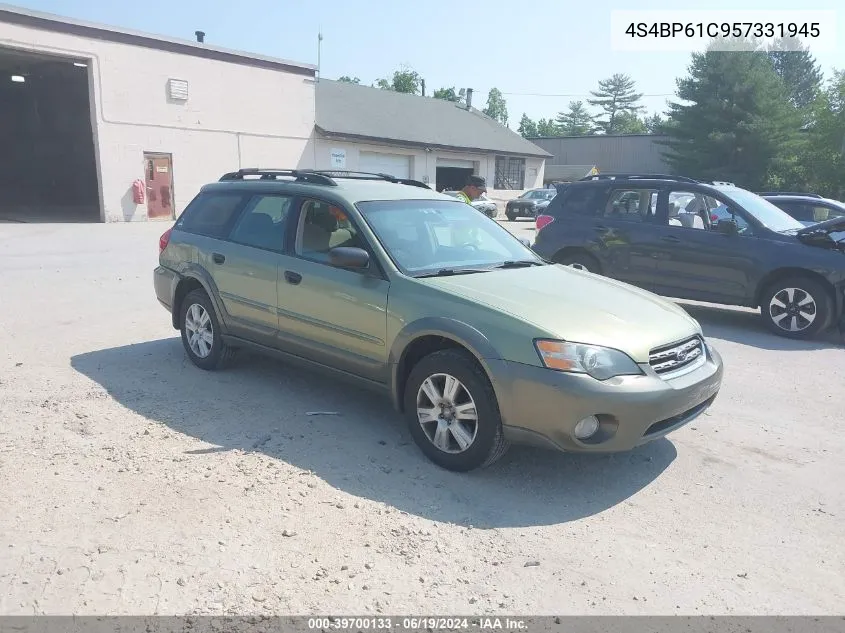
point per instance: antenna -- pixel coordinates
(319, 49)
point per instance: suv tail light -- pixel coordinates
(163, 241)
(543, 221)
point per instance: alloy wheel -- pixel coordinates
(199, 330)
(793, 309)
(447, 413)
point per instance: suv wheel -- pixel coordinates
(201, 332)
(796, 307)
(452, 412)
(579, 261)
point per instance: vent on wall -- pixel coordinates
(177, 89)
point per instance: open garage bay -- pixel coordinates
(132, 482)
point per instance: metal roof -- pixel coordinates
(60, 24)
(355, 112)
(567, 173)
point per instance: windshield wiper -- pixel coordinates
(521, 263)
(447, 272)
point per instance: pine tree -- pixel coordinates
(798, 69)
(738, 124)
(615, 96)
(527, 127)
(547, 127)
(496, 107)
(576, 121)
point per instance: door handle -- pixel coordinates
(217, 258)
(670, 238)
(292, 277)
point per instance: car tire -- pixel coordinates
(201, 336)
(809, 301)
(579, 261)
(481, 428)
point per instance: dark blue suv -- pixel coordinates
(710, 242)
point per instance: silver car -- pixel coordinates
(483, 204)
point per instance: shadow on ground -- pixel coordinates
(742, 326)
(261, 405)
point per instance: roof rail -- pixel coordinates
(367, 175)
(788, 193)
(300, 175)
(613, 176)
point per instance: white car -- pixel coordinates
(483, 203)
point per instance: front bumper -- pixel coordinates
(541, 407)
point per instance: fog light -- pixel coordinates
(586, 428)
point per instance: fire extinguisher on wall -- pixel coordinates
(138, 189)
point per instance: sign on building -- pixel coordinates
(338, 158)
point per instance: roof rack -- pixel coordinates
(300, 175)
(613, 176)
(788, 193)
(366, 175)
(315, 176)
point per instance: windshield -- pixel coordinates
(539, 194)
(763, 211)
(424, 236)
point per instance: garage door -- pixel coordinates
(396, 165)
(454, 162)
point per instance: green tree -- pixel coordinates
(615, 96)
(496, 107)
(547, 127)
(404, 80)
(824, 154)
(629, 123)
(654, 124)
(450, 94)
(736, 124)
(576, 121)
(798, 69)
(349, 80)
(527, 127)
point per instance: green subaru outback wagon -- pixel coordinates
(478, 341)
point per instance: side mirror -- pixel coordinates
(349, 257)
(727, 227)
(525, 241)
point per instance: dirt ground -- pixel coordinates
(133, 483)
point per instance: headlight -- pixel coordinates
(599, 362)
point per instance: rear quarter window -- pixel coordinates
(212, 214)
(583, 201)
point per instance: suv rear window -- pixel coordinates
(212, 214)
(578, 201)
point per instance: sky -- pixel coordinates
(541, 54)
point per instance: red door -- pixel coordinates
(159, 177)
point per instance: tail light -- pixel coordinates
(543, 221)
(714, 217)
(163, 241)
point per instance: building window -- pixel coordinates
(510, 173)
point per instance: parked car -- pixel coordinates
(483, 204)
(470, 333)
(692, 240)
(807, 208)
(530, 204)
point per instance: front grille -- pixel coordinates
(671, 360)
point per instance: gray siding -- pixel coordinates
(629, 153)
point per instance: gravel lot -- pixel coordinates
(133, 483)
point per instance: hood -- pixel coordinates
(577, 306)
(834, 225)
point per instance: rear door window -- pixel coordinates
(584, 201)
(631, 204)
(212, 214)
(264, 222)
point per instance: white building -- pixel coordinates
(99, 108)
(93, 116)
(436, 141)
